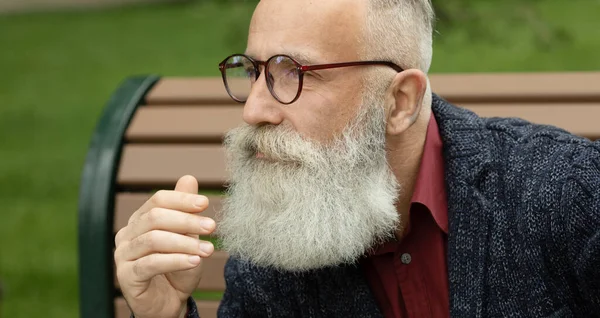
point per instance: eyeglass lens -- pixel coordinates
(239, 76)
(283, 77)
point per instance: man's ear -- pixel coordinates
(406, 98)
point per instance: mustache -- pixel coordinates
(276, 142)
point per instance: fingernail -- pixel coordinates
(194, 259)
(201, 202)
(206, 247)
(207, 224)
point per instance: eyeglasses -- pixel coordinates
(283, 74)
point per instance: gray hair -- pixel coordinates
(400, 31)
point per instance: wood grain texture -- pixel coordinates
(182, 91)
(476, 87)
(183, 123)
(160, 166)
(518, 87)
(165, 124)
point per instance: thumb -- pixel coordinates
(187, 184)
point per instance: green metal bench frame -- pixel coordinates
(97, 198)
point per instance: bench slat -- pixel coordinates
(127, 203)
(178, 90)
(159, 166)
(206, 309)
(183, 123)
(547, 87)
(170, 124)
(476, 87)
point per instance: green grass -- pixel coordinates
(58, 70)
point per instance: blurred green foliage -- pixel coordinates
(455, 14)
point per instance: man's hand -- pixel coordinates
(158, 254)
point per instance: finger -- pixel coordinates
(119, 236)
(174, 200)
(149, 266)
(162, 242)
(187, 184)
(168, 220)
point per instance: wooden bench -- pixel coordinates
(155, 130)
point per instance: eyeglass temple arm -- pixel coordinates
(306, 68)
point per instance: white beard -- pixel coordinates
(307, 205)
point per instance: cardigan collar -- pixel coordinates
(470, 174)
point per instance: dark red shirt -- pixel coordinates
(409, 278)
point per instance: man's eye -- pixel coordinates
(249, 71)
(291, 73)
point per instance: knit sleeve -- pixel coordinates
(192, 310)
(232, 304)
(584, 224)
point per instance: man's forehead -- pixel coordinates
(310, 31)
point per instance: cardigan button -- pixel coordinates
(406, 258)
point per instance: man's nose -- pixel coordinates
(261, 107)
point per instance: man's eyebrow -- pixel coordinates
(302, 57)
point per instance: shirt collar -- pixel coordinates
(430, 186)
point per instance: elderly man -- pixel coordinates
(356, 192)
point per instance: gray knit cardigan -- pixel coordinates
(524, 237)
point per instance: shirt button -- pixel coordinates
(406, 258)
